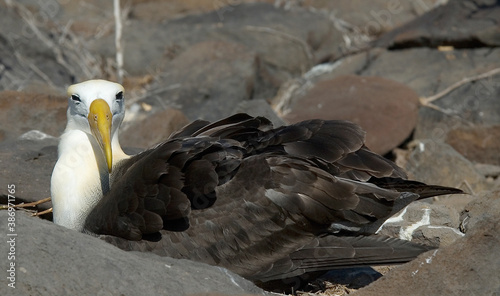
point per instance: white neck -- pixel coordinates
(80, 177)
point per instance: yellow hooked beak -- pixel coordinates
(100, 118)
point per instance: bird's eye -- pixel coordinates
(119, 96)
(76, 98)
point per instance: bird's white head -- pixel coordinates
(97, 107)
(88, 150)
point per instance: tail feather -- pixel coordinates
(333, 252)
(422, 189)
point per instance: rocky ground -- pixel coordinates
(422, 77)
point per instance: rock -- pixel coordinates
(488, 170)
(385, 109)
(424, 223)
(78, 264)
(433, 162)
(208, 80)
(436, 235)
(467, 267)
(432, 71)
(480, 210)
(478, 143)
(38, 54)
(147, 129)
(471, 106)
(28, 165)
(471, 22)
(300, 30)
(378, 17)
(272, 34)
(21, 112)
(81, 17)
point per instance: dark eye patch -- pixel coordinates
(75, 98)
(119, 96)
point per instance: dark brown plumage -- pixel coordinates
(260, 201)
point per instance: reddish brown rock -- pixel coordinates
(386, 109)
(478, 144)
(152, 129)
(21, 112)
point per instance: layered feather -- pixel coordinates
(258, 200)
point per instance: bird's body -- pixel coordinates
(264, 202)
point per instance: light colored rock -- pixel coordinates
(424, 223)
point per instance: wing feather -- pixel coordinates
(260, 201)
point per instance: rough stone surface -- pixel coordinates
(429, 224)
(438, 163)
(479, 143)
(21, 112)
(32, 50)
(442, 69)
(28, 164)
(385, 109)
(53, 260)
(272, 33)
(210, 76)
(467, 267)
(474, 23)
(151, 128)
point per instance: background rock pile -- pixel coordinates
(421, 77)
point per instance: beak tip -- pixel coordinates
(109, 162)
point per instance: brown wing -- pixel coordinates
(247, 196)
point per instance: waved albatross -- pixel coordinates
(264, 202)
